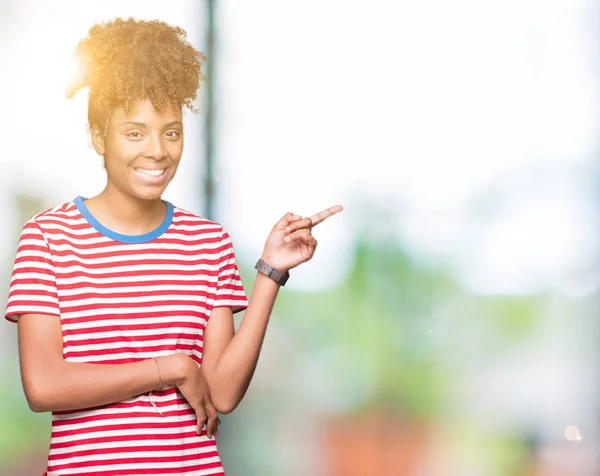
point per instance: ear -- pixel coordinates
(98, 140)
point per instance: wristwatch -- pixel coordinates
(274, 274)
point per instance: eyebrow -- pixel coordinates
(142, 124)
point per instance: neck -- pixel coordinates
(126, 214)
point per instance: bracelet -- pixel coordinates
(150, 394)
(160, 385)
(151, 397)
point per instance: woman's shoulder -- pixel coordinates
(64, 212)
(45, 224)
(186, 218)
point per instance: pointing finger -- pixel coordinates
(321, 216)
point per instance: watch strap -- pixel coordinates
(278, 276)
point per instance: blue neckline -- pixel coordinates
(100, 228)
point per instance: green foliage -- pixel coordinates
(19, 423)
(391, 321)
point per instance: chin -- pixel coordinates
(148, 194)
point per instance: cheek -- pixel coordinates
(129, 150)
(118, 158)
(175, 150)
(122, 150)
(175, 159)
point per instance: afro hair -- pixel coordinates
(125, 60)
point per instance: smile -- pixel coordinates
(150, 172)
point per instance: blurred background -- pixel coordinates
(448, 324)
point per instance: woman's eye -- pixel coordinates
(134, 135)
(173, 134)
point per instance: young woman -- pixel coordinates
(123, 301)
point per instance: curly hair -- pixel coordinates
(125, 60)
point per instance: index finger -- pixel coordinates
(321, 216)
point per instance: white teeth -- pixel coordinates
(153, 173)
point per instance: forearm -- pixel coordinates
(229, 372)
(231, 376)
(71, 386)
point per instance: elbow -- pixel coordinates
(36, 404)
(37, 407)
(37, 399)
(225, 405)
(225, 396)
(226, 410)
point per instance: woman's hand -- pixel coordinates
(195, 390)
(291, 242)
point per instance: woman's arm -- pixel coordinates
(229, 359)
(53, 384)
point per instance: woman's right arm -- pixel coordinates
(53, 384)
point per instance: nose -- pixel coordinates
(156, 148)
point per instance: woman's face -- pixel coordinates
(141, 149)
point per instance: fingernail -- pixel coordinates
(287, 238)
(288, 229)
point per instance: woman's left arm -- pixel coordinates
(229, 357)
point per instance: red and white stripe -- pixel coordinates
(125, 302)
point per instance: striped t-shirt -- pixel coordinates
(122, 299)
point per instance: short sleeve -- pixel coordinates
(230, 291)
(33, 283)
